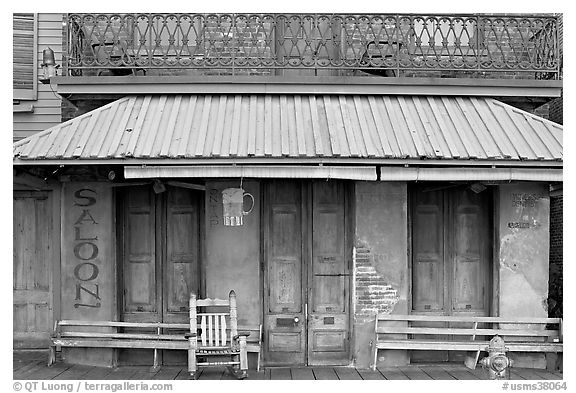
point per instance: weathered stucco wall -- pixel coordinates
(380, 263)
(233, 252)
(88, 290)
(523, 251)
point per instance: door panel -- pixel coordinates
(428, 252)
(284, 316)
(182, 245)
(32, 273)
(139, 271)
(471, 252)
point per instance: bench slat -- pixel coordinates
(466, 346)
(442, 318)
(123, 335)
(125, 324)
(109, 343)
(465, 331)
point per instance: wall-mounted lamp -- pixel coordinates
(49, 65)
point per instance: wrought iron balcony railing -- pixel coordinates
(516, 46)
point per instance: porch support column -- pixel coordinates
(522, 249)
(380, 264)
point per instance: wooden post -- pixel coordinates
(233, 314)
(192, 339)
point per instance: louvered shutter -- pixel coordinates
(24, 57)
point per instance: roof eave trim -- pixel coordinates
(295, 161)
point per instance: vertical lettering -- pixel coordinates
(79, 195)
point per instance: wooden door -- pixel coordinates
(329, 278)
(451, 257)
(284, 314)
(161, 238)
(32, 270)
(306, 274)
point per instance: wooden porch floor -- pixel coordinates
(32, 365)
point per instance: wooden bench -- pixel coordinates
(81, 334)
(465, 333)
(174, 339)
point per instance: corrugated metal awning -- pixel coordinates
(280, 172)
(342, 128)
(470, 174)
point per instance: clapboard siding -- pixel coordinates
(47, 106)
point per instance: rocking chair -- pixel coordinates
(219, 337)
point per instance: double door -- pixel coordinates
(451, 254)
(307, 273)
(160, 258)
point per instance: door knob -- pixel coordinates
(296, 319)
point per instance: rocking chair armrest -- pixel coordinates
(190, 334)
(241, 334)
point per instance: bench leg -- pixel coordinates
(258, 363)
(156, 365)
(375, 355)
(471, 359)
(51, 355)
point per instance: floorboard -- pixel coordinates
(280, 373)
(183, 374)
(28, 371)
(480, 373)
(459, 372)
(437, 373)
(324, 373)
(256, 375)
(347, 373)
(414, 373)
(515, 376)
(302, 374)
(74, 372)
(123, 373)
(369, 375)
(52, 372)
(547, 375)
(528, 374)
(145, 373)
(97, 373)
(211, 373)
(392, 373)
(167, 373)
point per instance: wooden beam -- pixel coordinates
(186, 185)
(307, 85)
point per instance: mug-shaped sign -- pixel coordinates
(233, 201)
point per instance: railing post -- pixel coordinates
(478, 43)
(66, 44)
(557, 46)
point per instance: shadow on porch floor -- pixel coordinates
(31, 365)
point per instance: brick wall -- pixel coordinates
(373, 294)
(555, 296)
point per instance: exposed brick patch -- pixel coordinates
(373, 294)
(555, 298)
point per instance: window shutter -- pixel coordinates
(24, 57)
